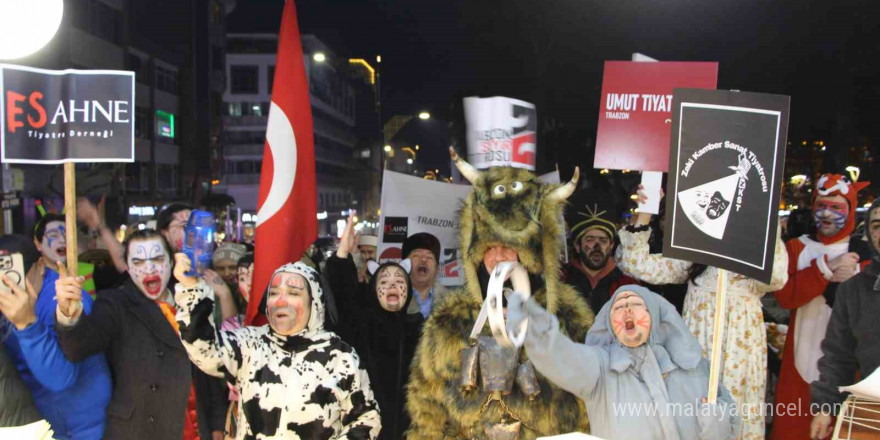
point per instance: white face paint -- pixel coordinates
(54, 244)
(149, 266)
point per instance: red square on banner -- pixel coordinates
(635, 112)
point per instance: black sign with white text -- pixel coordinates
(55, 116)
(727, 155)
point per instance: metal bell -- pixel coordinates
(469, 367)
(503, 431)
(497, 365)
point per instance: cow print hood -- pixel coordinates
(315, 325)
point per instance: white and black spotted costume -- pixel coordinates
(307, 386)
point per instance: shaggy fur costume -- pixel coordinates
(526, 220)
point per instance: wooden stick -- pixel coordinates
(70, 225)
(718, 335)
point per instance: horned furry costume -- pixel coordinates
(511, 207)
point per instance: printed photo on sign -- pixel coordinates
(501, 132)
(725, 162)
(411, 205)
(51, 116)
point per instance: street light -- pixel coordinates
(424, 115)
(26, 26)
(409, 161)
(388, 148)
(319, 57)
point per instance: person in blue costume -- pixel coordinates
(72, 396)
(640, 372)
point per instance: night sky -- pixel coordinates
(825, 55)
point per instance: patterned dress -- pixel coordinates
(744, 359)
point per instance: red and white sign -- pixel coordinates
(501, 132)
(635, 112)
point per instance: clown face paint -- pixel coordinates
(829, 213)
(174, 233)
(289, 303)
(54, 244)
(245, 277)
(391, 288)
(630, 319)
(149, 266)
(498, 254)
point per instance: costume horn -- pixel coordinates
(467, 170)
(562, 193)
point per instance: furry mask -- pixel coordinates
(510, 207)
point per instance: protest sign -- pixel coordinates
(635, 111)
(66, 116)
(501, 132)
(726, 160)
(411, 205)
(52, 116)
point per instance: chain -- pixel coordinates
(496, 396)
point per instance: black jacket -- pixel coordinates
(385, 341)
(852, 341)
(151, 371)
(17, 407)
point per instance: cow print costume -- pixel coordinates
(306, 386)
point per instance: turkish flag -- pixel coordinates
(287, 205)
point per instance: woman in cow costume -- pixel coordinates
(295, 380)
(817, 263)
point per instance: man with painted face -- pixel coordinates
(295, 380)
(592, 270)
(818, 263)
(640, 371)
(157, 392)
(71, 396)
(852, 342)
(378, 326)
(509, 216)
(423, 249)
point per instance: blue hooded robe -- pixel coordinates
(653, 391)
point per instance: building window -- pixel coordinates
(247, 109)
(166, 79)
(139, 66)
(141, 123)
(245, 137)
(270, 78)
(244, 79)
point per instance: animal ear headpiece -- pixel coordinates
(405, 264)
(846, 187)
(509, 206)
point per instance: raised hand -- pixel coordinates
(348, 241)
(18, 306)
(68, 293)
(182, 265)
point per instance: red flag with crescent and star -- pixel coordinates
(287, 205)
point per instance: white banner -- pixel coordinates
(501, 132)
(411, 205)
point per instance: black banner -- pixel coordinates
(726, 161)
(52, 116)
